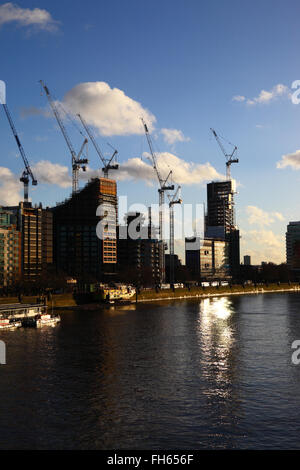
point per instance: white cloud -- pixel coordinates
(173, 135)
(184, 172)
(290, 159)
(108, 109)
(239, 98)
(52, 173)
(263, 245)
(10, 188)
(265, 97)
(257, 216)
(38, 18)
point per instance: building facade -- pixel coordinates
(138, 252)
(247, 260)
(220, 220)
(35, 225)
(84, 227)
(293, 247)
(10, 249)
(207, 259)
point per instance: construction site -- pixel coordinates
(60, 246)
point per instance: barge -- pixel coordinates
(31, 315)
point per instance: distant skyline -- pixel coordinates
(183, 66)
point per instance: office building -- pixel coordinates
(138, 252)
(35, 225)
(293, 247)
(220, 220)
(247, 260)
(84, 225)
(10, 249)
(207, 259)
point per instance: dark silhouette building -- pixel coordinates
(139, 253)
(220, 220)
(78, 223)
(35, 225)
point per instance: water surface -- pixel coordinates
(209, 374)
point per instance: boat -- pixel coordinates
(119, 293)
(7, 324)
(47, 320)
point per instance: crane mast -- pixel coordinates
(27, 172)
(164, 185)
(77, 162)
(229, 157)
(107, 163)
(175, 199)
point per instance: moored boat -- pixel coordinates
(6, 324)
(47, 320)
(117, 293)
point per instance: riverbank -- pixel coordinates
(67, 301)
(202, 292)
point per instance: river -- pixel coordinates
(192, 374)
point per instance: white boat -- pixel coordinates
(47, 320)
(6, 324)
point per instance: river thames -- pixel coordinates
(209, 374)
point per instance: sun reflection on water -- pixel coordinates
(216, 339)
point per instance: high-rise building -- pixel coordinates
(207, 259)
(35, 225)
(220, 219)
(10, 249)
(247, 260)
(293, 247)
(78, 250)
(220, 204)
(138, 251)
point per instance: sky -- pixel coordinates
(185, 67)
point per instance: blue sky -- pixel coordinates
(184, 62)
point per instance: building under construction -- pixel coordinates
(78, 251)
(220, 219)
(139, 252)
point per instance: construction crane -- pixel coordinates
(228, 156)
(173, 199)
(27, 173)
(106, 162)
(164, 185)
(77, 161)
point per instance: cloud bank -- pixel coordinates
(184, 172)
(171, 136)
(257, 216)
(290, 160)
(37, 18)
(109, 110)
(10, 187)
(265, 97)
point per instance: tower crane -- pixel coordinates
(173, 199)
(77, 161)
(228, 156)
(164, 185)
(106, 162)
(27, 173)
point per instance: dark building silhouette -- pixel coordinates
(35, 226)
(220, 220)
(138, 251)
(78, 250)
